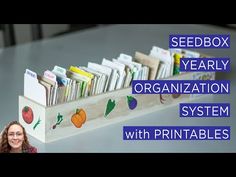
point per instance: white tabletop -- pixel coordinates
(108, 42)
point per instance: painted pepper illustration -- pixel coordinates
(110, 106)
(79, 118)
(27, 114)
(132, 102)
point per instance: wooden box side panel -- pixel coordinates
(32, 117)
(95, 108)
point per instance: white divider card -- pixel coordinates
(129, 70)
(102, 69)
(114, 75)
(133, 70)
(122, 73)
(61, 76)
(74, 88)
(175, 50)
(33, 89)
(125, 57)
(51, 78)
(145, 73)
(161, 71)
(167, 61)
(64, 84)
(136, 66)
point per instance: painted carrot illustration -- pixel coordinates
(37, 123)
(59, 120)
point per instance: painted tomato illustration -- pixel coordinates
(27, 114)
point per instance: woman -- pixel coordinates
(14, 140)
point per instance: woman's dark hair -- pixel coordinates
(4, 145)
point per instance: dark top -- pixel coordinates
(31, 149)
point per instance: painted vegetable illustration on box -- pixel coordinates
(110, 106)
(177, 95)
(162, 99)
(37, 123)
(79, 118)
(27, 114)
(174, 96)
(59, 120)
(132, 102)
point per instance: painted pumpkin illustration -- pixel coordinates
(27, 114)
(79, 118)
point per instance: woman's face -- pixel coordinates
(15, 136)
